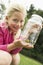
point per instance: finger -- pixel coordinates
(31, 46)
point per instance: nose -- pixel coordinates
(19, 24)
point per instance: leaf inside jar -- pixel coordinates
(27, 41)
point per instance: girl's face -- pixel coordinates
(16, 21)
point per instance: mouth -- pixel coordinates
(15, 29)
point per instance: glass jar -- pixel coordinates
(32, 29)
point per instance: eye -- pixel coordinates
(21, 21)
(15, 20)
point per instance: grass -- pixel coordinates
(28, 61)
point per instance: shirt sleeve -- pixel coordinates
(2, 45)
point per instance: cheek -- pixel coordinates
(15, 26)
(22, 24)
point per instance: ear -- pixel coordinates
(6, 17)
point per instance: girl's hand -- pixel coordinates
(29, 46)
(19, 43)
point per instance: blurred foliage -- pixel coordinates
(31, 11)
(2, 8)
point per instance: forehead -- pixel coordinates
(18, 15)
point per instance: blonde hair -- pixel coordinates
(15, 7)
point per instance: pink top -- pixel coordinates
(6, 38)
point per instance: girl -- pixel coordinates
(10, 45)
